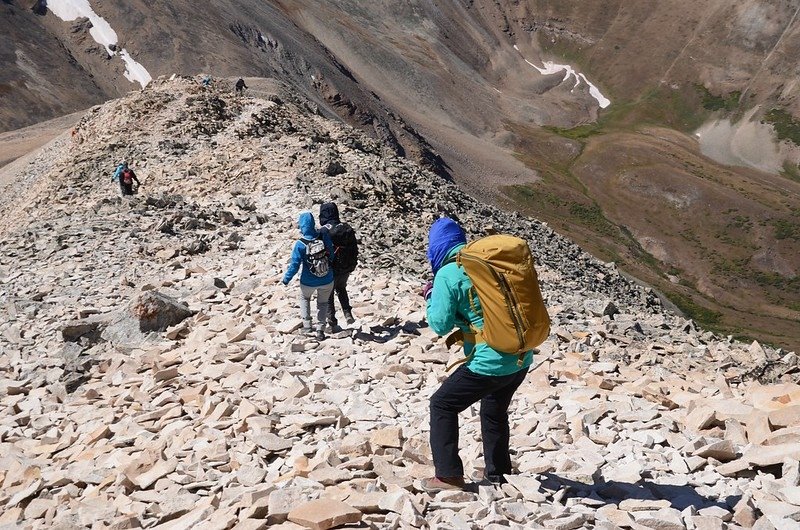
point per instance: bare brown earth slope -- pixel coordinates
(626, 181)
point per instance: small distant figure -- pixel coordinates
(126, 177)
(206, 82)
(240, 86)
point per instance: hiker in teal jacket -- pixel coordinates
(486, 375)
(315, 278)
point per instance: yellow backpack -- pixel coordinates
(503, 276)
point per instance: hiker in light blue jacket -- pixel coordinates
(117, 177)
(314, 253)
(487, 375)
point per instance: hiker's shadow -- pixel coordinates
(383, 333)
(614, 492)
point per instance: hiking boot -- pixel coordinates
(320, 334)
(434, 484)
(479, 476)
(348, 316)
(334, 328)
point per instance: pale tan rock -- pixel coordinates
(771, 455)
(528, 486)
(791, 494)
(705, 522)
(387, 437)
(612, 514)
(701, 418)
(239, 333)
(572, 522)
(788, 416)
(155, 472)
(744, 513)
(272, 442)
(11, 516)
(166, 374)
(735, 432)
(283, 501)
(365, 502)
(783, 436)
(758, 428)
(356, 443)
(251, 524)
(250, 475)
(322, 514)
(258, 509)
(38, 507)
(328, 476)
(730, 469)
(637, 505)
(722, 450)
(664, 519)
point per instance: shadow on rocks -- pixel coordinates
(680, 497)
(383, 334)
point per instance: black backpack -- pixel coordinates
(345, 247)
(317, 256)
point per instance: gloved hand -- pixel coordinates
(426, 291)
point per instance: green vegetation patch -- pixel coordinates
(581, 132)
(713, 102)
(786, 229)
(700, 314)
(785, 125)
(790, 171)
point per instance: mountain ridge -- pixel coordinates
(458, 87)
(232, 417)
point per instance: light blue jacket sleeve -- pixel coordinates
(295, 261)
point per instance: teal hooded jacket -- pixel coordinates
(448, 306)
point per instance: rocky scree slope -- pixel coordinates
(632, 417)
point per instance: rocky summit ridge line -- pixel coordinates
(229, 418)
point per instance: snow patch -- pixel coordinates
(551, 68)
(102, 32)
(134, 71)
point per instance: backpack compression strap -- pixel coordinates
(461, 336)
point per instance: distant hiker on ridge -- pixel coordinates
(239, 87)
(314, 251)
(345, 259)
(464, 278)
(126, 177)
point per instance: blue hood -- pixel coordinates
(308, 227)
(444, 235)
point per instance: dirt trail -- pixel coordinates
(14, 144)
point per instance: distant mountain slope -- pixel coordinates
(459, 86)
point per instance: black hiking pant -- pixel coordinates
(458, 392)
(340, 290)
(127, 189)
